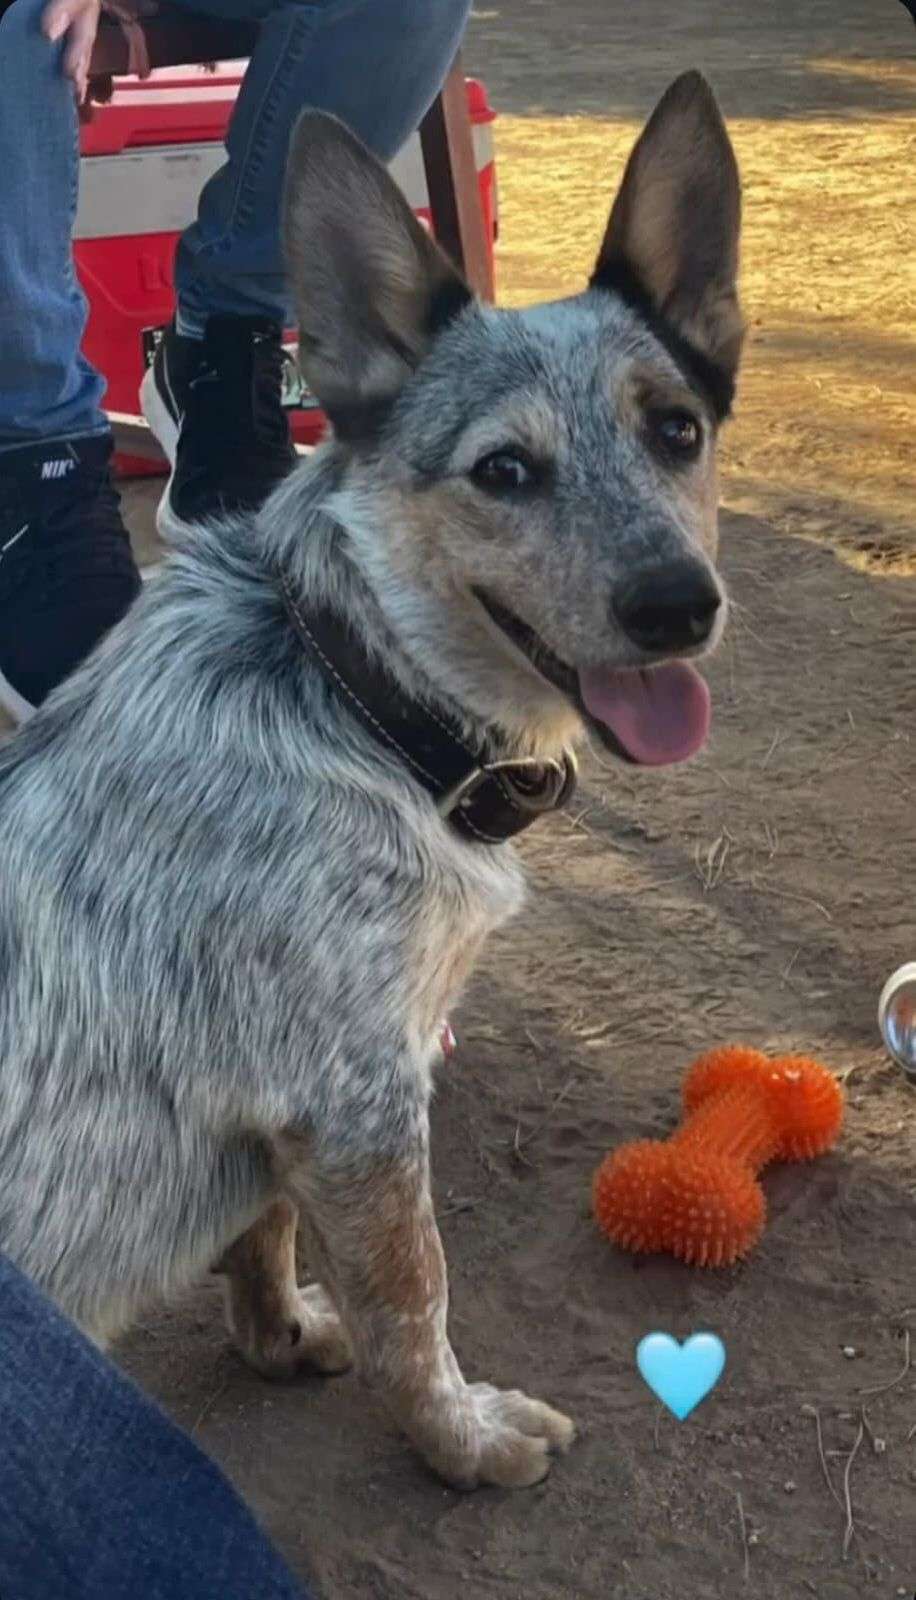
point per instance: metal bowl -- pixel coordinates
(897, 1017)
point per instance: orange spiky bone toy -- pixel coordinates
(696, 1194)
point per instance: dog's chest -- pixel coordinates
(460, 908)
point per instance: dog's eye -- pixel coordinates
(678, 433)
(504, 472)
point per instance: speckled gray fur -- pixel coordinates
(229, 922)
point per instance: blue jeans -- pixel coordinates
(377, 64)
(101, 1497)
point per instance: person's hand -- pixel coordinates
(78, 21)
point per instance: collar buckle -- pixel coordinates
(529, 786)
(461, 792)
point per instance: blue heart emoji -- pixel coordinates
(681, 1374)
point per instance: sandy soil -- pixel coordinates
(762, 894)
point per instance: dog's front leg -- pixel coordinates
(374, 1243)
(277, 1326)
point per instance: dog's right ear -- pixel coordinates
(371, 287)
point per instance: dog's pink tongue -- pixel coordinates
(659, 715)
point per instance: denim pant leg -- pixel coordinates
(377, 64)
(101, 1497)
(47, 389)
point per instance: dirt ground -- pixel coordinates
(762, 894)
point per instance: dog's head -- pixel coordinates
(534, 492)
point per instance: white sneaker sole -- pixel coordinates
(12, 702)
(171, 529)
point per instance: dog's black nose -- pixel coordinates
(668, 608)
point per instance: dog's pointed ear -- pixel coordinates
(672, 237)
(371, 287)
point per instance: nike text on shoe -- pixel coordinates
(67, 574)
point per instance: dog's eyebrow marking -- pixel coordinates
(522, 418)
(709, 379)
(645, 387)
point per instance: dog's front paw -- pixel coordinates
(502, 1437)
(306, 1332)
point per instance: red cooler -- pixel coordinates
(145, 157)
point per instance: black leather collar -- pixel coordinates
(487, 802)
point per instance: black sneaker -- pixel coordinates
(67, 574)
(214, 404)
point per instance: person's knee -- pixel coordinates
(440, 24)
(454, 12)
(443, 17)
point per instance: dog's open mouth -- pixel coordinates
(651, 716)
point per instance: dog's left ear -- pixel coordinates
(370, 285)
(672, 239)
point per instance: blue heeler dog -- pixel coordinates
(252, 849)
